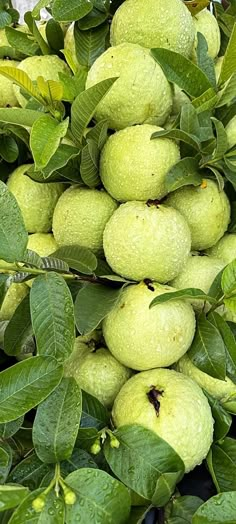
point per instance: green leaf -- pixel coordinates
(92, 20)
(143, 462)
(19, 77)
(181, 509)
(90, 44)
(45, 138)
(9, 149)
(19, 329)
(229, 342)
(228, 281)
(11, 227)
(51, 91)
(220, 509)
(94, 414)
(205, 62)
(73, 86)
(79, 459)
(76, 9)
(183, 294)
(100, 498)
(206, 102)
(208, 351)
(227, 95)
(22, 42)
(215, 290)
(25, 514)
(54, 35)
(3, 287)
(10, 428)
(26, 384)
(223, 420)
(55, 264)
(11, 495)
(89, 167)
(181, 71)
(85, 104)
(37, 8)
(86, 437)
(29, 472)
(223, 462)
(77, 257)
(5, 462)
(178, 134)
(57, 422)
(43, 45)
(138, 514)
(60, 159)
(92, 305)
(221, 140)
(183, 173)
(229, 61)
(189, 120)
(18, 116)
(52, 316)
(98, 133)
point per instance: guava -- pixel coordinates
(80, 217)
(43, 244)
(133, 167)
(47, 66)
(13, 298)
(206, 23)
(96, 370)
(220, 389)
(140, 95)
(143, 338)
(231, 132)
(146, 240)
(69, 43)
(218, 66)
(206, 210)
(198, 272)
(224, 249)
(154, 23)
(173, 406)
(36, 201)
(179, 100)
(7, 95)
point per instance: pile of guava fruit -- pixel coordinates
(118, 262)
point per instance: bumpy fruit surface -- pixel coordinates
(231, 132)
(146, 240)
(36, 201)
(96, 371)
(80, 217)
(7, 95)
(225, 249)
(42, 243)
(206, 23)
(154, 23)
(173, 406)
(133, 167)
(13, 298)
(143, 338)
(141, 93)
(206, 210)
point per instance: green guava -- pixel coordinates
(43, 244)
(218, 66)
(36, 201)
(133, 167)
(80, 217)
(154, 23)
(173, 406)
(13, 298)
(146, 240)
(47, 66)
(7, 95)
(96, 370)
(198, 272)
(143, 338)
(231, 132)
(179, 100)
(224, 249)
(206, 23)
(206, 210)
(140, 95)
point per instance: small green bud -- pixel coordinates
(96, 447)
(38, 504)
(70, 497)
(114, 442)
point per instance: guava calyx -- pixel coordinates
(149, 284)
(155, 203)
(153, 396)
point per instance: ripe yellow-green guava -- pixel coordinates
(143, 338)
(80, 217)
(96, 370)
(224, 249)
(220, 389)
(218, 66)
(47, 66)
(69, 43)
(36, 201)
(231, 132)
(43, 244)
(154, 23)
(13, 298)
(198, 272)
(206, 210)
(141, 93)
(206, 23)
(7, 95)
(173, 406)
(133, 167)
(146, 240)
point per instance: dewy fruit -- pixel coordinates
(206, 23)
(154, 23)
(7, 95)
(231, 132)
(206, 210)
(13, 298)
(173, 406)
(143, 338)
(80, 217)
(140, 95)
(133, 167)
(224, 249)
(147, 240)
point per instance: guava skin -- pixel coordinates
(143, 338)
(7, 95)
(43, 244)
(218, 66)
(183, 419)
(80, 217)
(220, 389)
(13, 298)
(206, 210)
(144, 240)
(36, 201)
(140, 95)
(134, 167)
(231, 132)
(206, 23)
(225, 249)
(96, 371)
(154, 23)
